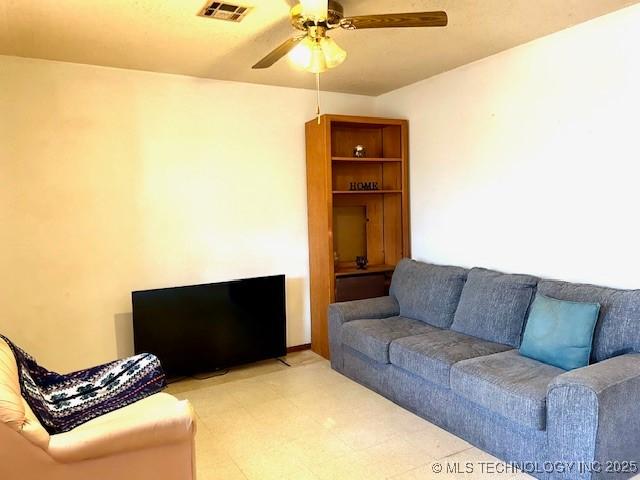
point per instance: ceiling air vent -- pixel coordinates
(224, 11)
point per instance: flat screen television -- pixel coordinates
(204, 328)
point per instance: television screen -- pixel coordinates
(203, 328)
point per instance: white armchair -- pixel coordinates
(152, 439)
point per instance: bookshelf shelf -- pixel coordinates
(365, 160)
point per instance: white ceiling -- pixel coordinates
(168, 36)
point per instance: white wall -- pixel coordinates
(529, 160)
(115, 180)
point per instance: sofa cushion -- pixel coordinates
(432, 354)
(372, 337)
(560, 332)
(428, 292)
(618, 327)
(508, 384)
(493, 306)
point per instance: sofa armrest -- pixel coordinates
(157, 420)
(379, 307)
(594, 416)
(340, 313)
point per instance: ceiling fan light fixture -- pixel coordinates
(317, 55)
(334, 55)
(318, 59)
(300, 56)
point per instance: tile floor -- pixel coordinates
(269, 421)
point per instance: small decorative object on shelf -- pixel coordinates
(359, 151)
(362, 262)
(358, 186)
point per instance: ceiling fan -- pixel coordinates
(313, 50)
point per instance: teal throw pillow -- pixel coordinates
(559, 332)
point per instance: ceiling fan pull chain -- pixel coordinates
(318, 97)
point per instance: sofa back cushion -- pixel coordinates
(426, 292)
(494, 305)
(12, 412)
(618, 327)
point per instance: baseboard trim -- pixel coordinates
(299, 348)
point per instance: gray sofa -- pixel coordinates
(444, 344)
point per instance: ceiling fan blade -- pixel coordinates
(278, 53)
(395, 20)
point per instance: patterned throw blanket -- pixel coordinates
(62, 402)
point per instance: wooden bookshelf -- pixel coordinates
(350, 223)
